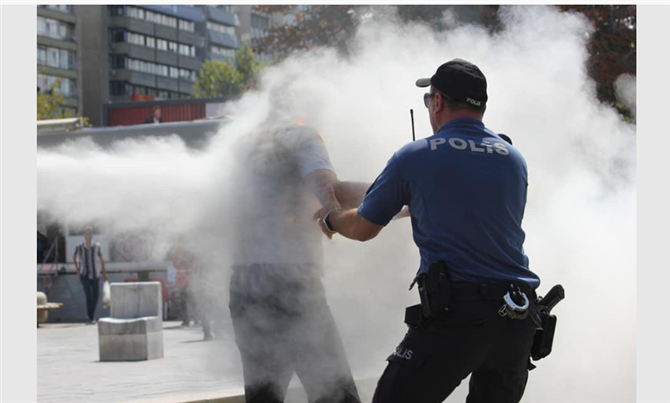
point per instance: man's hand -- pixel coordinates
(331, 204)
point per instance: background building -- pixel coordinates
(121, 53)
(132, 52)
(219, 31)
(58, 53)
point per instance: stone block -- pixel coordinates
(136, 300)
(135, 330)
(129, 326)
(131, 347)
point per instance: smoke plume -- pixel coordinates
(580, 218)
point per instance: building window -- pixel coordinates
(224, 29)
(61, 8)
(117, 10)
(135, 39)
(123, 62)
(186, 26)
(67, 86)
(41, 55)
(55, 57)
(117, 61)
(117, 88)
(146, 15)
(186, 50)
(54, 28)
(118, 35)
(221, 51)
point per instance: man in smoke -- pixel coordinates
(465, 187)
(282, 322)
(89, 264)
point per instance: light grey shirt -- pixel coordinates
(275, 221)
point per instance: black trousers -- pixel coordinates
(283, 326)
(472, 338)
(92, 293)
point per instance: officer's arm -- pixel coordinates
(353, 225)
(348, 194)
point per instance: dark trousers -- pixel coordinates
(92, 292)
(283, 326)
(472, 338)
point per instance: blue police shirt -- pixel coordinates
(466, 191)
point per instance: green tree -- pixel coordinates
(218, 79)
(51, 104)
(612, 46)
(247, 66)
(315, 25)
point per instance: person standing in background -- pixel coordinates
(155, 116)
(89, 265)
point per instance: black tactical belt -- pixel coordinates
(485, 291)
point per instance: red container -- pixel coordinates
(137, 114)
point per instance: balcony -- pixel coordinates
(132, 24)
(166, 83)
(223, 16)
(190, 63)
(134, 51)
(134, 77)
(227, 40)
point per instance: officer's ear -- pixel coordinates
(440, 102)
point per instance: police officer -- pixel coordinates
(465, 188)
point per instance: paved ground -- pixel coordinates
(69, 370)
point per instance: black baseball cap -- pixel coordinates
(460, 80)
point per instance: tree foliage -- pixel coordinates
(218, 78)
(51, 104)
(316, 25)
(612, 47)
(247, 65)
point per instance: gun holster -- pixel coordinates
(435, 294)
(544, 337)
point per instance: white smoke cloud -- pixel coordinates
(625, 87)
(580, 218)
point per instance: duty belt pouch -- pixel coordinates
(414, 316)
(544, 337)
(435, 289)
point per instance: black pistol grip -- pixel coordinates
(553, 297)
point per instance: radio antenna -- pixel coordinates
(411, 115)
